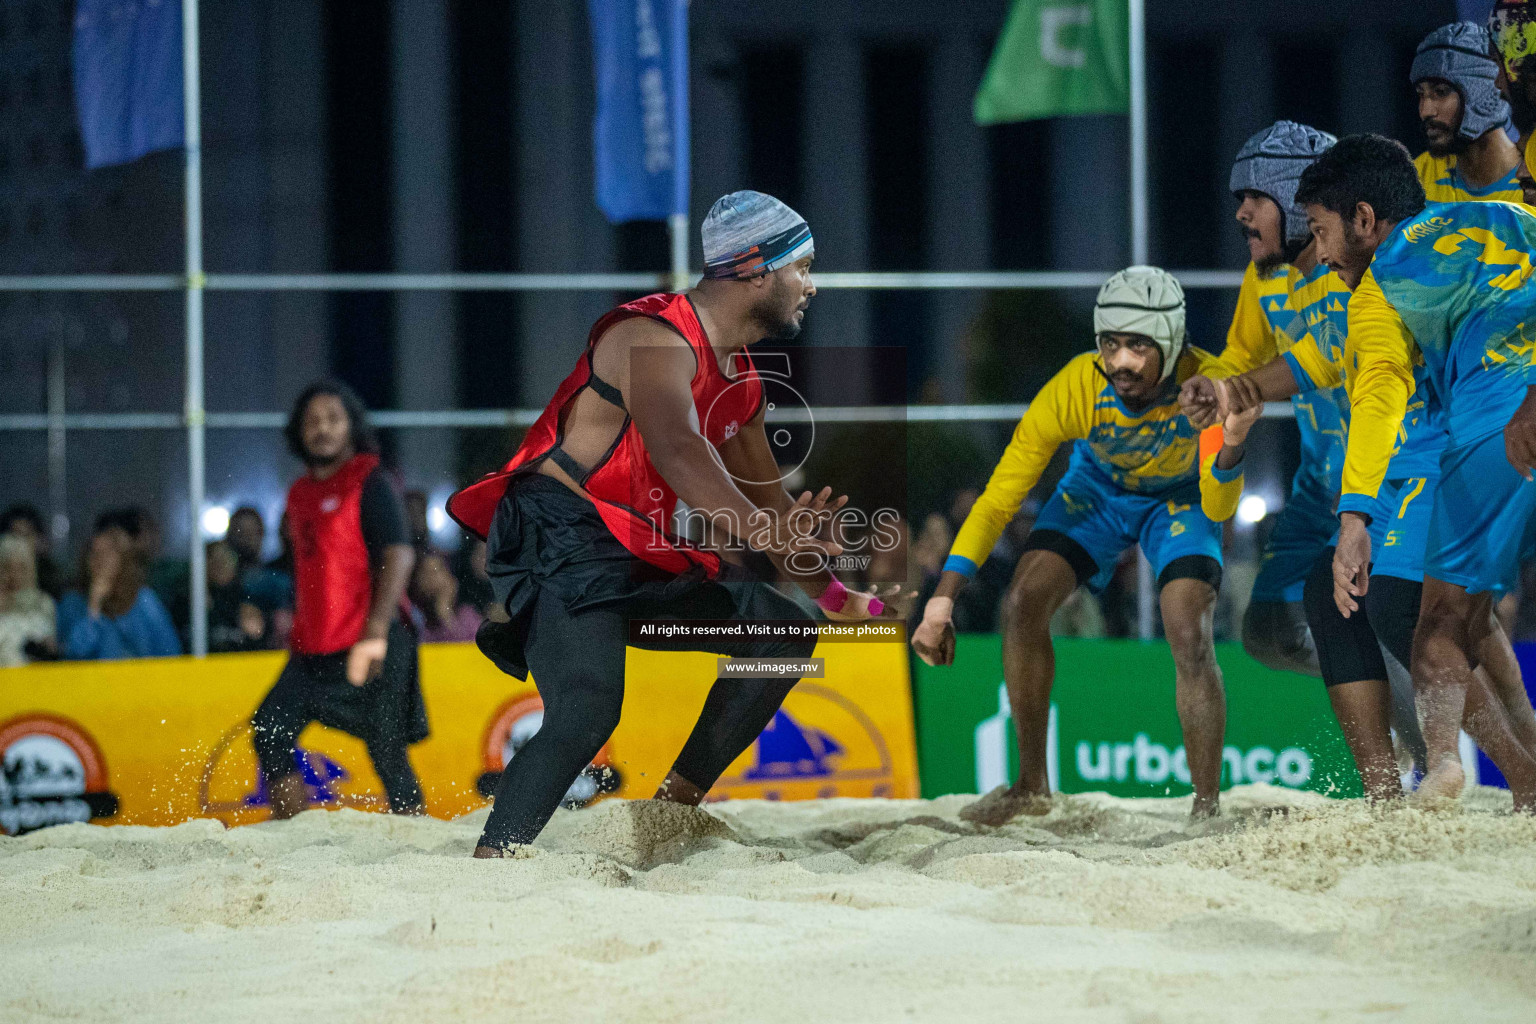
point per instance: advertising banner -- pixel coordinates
(1114, 727)
(161, 741)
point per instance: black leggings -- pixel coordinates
(1348, 648)
(314, 688)
(577, 662)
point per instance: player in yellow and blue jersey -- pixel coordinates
(1266, 324)
(1132, 480)
(1447, 284)
(1470, 157)
(1349, 649)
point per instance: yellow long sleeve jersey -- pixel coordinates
(1147, 452)
(1220, 489)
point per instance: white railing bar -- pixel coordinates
(906, 280)
(471, 418)
(95, 421)
(438, 282)
(93, 283)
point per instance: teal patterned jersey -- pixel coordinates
(1321, 414)
(1457, 276)
(1269, 320)
(1450, 287)
(1317, 362)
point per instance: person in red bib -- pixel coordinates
(664, 404)
(353, 661)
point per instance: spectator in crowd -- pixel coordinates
(26, 613)
(416, 520)
(26, 522)
(280, 624)
(283, 563)
(269, 589)
(246, 536)
(169, 578)
(235, 623)
(435, 593)
(114, 614)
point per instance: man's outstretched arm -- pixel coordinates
(659, 396)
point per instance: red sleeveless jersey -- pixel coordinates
(332, 579)
(634, 501)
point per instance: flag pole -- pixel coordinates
(196, 485)
(682, 151)
(1146, 597)
(1138, 27)
(677, 228)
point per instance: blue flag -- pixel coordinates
(1474, 10)
(640, 135)
(128, 78)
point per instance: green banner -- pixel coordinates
(1114, 727)
(1057, 58)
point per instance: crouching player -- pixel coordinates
(1132, 479)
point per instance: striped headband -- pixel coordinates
(765, 257)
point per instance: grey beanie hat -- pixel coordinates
(1458, 53)
(747, 234)
(1271, 162)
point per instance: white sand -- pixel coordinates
(842, 910)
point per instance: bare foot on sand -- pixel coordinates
(1444, 782)
(1004, 804)
(1204, 810)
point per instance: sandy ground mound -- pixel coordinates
(1291, 908)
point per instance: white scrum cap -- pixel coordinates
(1144, 300)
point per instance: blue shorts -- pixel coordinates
(1482, 520)
(1105, 520)
(1305, 526)
(1398, 539)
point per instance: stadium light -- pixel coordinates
(437, 519)
(1252, 508)
(215, 520)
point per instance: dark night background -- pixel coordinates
(429, 135)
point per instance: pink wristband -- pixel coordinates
(834, 597)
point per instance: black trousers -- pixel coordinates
(577, 662)
(387, 714)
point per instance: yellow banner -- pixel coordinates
(160, 741)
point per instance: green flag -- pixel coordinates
(1057, 58)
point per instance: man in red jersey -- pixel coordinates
(664, 404)
(353, 662)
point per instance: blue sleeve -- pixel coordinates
(79, 634)
(959, 563)
(158, 637)
(1360, 503)
(1226, 476)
